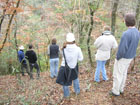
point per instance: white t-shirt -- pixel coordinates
(73, 54)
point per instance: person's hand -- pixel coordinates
(64, 45)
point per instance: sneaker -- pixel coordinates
(106, 79)
(122, 93)
(31, 77)
(51, 77)
(96, 81)
(66, 97)
(23, 74)
(112, 94)
(38, 76)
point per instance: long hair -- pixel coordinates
(65, 44)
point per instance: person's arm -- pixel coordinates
(26, 55)
(35, 57)
(48, 52)
(115, 44)
(122, 47)
(22, 56)
(19, 56)
(80, 56)
(59, 52)
(97, 42)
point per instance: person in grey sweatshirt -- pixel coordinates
(125, 54)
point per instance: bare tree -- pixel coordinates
(93, 6)
(9, 24)
(3, 16)
(138, 14)
(138, 26)
(113, 20)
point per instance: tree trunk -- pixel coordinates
(138, 26)
(138, 15)
(81, 33)
(38, 57)
(15, 37)
(92, 7)
(89, 36)
(2, 19)
(9, 24)
(113, 15)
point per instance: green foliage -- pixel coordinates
(15, 70)
(8, 60)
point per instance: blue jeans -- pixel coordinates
(75, 86)
(100, 66)
(54, 67)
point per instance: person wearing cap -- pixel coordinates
(71, 55)
(104, 44)
(53, 53)
(22, 60)
(125, 54)
(32, 58)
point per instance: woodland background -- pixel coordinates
(24, 22)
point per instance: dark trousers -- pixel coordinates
(34, 65)
(24, 66)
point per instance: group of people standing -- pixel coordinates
(68, 71)
(30, 55)
(125, 54)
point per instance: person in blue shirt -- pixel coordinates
(22, 60)
(125, 54)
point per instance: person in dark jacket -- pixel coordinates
(22, 60)
(53, 52)
(32, 58)
(125, 54)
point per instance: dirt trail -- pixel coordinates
(46, 92)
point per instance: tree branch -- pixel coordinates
(9, 24)
(3, 16)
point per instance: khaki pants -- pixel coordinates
(120, 75)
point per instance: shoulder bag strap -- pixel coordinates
(68, 68)
(65, 58)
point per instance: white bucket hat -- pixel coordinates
(21, 47)
(70, 37)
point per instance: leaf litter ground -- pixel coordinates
(45, 91)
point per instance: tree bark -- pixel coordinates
(89, 36)
(3, 16)
(138, 15)
(113, 15)
(138, 26)
(9, 24)
(15, 37)
(92, 7)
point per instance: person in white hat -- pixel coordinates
(71, 55)
(22, 60)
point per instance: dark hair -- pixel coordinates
(54, 41)
(65, 44)
(30, 46)
(130, 20)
